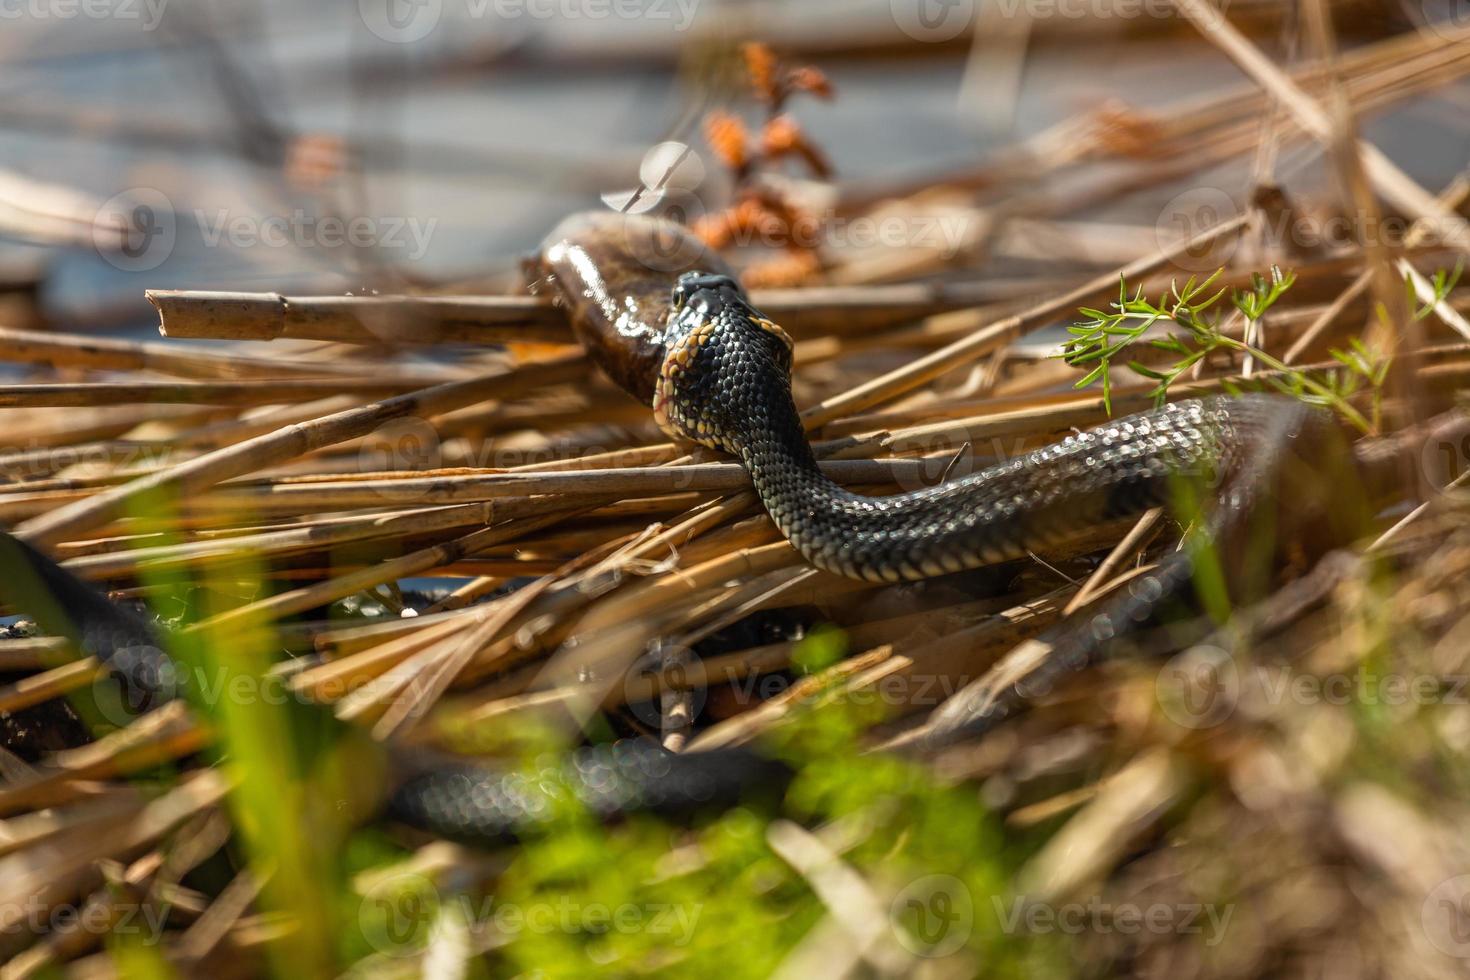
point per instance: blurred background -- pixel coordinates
(416, 144)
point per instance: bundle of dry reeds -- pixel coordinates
(299, 466)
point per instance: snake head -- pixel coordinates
(726, 366)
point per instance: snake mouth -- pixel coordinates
(674, 423)
(661, 398)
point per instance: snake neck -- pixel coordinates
(1040, 499)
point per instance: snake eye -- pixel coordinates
(680, 293)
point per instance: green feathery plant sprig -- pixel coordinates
(1443, 283)
(1097, 342)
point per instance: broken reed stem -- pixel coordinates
(398, 320)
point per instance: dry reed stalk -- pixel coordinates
(269, 544)
(52, 683)
(996, 335)
(34, 652)
(61, 879)
(41, 428)
(862, 634)
(108, 354)
(335, 679)
(329, 590)
(222, 464)
(613, 484)
(81, 395)
(164, 734)
(1126, 806)
(1420, 232)
(1376, 73)
(373, 320)
(1391, 182)
(441, 666)
(1132, 545)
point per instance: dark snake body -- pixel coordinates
(667, 321)
(724, 381)
(464, 802)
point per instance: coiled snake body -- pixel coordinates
(669, 323)
(718, 372)
(667, 320)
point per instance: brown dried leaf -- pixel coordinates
(761, 64)
(727, 138)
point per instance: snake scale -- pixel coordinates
(670, 323)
